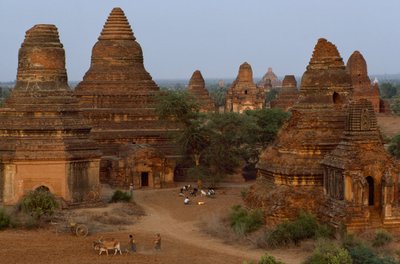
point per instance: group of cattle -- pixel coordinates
(194, 191)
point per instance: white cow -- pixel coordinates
(103, 245)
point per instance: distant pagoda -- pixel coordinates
(198, 89)
(244, 94)
(287, 95)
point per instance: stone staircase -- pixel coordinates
(375, 220)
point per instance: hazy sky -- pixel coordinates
(214, 36)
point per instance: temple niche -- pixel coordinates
(197, 89)
(287, 95)
(360, 177)
(244, 94)
(269, 80)
(116, 96)
(44, 141)
(362, 86)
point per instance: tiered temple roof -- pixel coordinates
(43, 137)
(198, 89)
(243, 93)
(269, 80)
(288, 94)
(117, 93)
(316, 124)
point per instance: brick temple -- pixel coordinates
(360, 176)
(269, 80)
(44, 140)
(329, 158)
(288, 94)
(244, 94)
(116, 96)
(197, 89)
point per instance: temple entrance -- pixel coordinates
(144, 179)
(43, 189)
(336, 98)
(370, 182)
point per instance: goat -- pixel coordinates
(108, 244)
(186, 187)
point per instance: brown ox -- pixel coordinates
(104, 245)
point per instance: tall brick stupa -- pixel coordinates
(44, 141)
(117, 96)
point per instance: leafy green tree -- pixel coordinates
(218, 144)
(395, 105)
(232, 141)
(193, 134)
(218, 95)
(388, 90)
(394, 146)
(271, 95)
(269, 122)
(39, 203)
(329, 253)
(178, 106)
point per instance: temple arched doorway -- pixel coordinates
(144, 176)
(371, 193)
(337, 100)
(42, 188)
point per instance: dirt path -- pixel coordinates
(183, 227)
(182, 240)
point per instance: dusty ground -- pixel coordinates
(389, 124)
(182, 241)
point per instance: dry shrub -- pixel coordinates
(106, 219)
(218, 226)
(129, 209)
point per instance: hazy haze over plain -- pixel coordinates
(214, 36)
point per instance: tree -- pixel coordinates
(388, 90)
(269, 121)
(38, 203)
(394, 146)
(218, 144)
(177, 106)
(193, 134)
(232, 142)
(395, 105)
(271, 95)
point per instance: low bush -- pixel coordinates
(329, 253)
(5, 221)
(120, 196)
(363, 254)
(382, 237)
(303, 227)
(266, 259)
(39, 203)
(244, 221)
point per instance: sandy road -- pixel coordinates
(182, 226)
